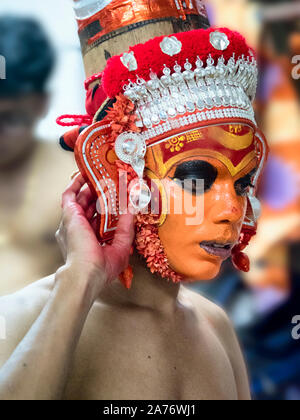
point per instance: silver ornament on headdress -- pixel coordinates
(171, 46)
(219, 40)
(129, 61)
(210, 88)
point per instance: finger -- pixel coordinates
(69, 201)
(60, 241)
(74, 174)
(94, 223)
(118, 253)
(91, 211)
(72, 190)
(85, 197)
(59, 231)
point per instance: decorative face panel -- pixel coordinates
(234, 145)
(204, 177)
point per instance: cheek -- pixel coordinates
(174, 236)
(243, 203)
(184, 255)
(201, 270)
(181, 245)
(176, 233)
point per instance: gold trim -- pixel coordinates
(202, 152)
(232, 141)
(100, 110)
(162, 191)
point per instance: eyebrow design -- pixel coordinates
(195, 170)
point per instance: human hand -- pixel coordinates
(79, 244)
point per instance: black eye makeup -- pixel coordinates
(195, 170)
(242, 185)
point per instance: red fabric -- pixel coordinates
(150, 56)
(94, 100)
(92, 79)
(95, 97)
(240, 259)
(70, 137)
(70, 120)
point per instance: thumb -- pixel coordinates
(125, 233)
(70, 206)
(118, 253)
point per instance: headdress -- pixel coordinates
(157, 102)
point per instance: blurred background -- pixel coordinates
(261, 304)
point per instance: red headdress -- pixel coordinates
(169, 86)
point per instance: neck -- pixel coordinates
(148, 290)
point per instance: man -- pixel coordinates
(167, 342)
(32, 173)
(85, 336)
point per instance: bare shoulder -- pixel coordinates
(219, 321)
(216, 317)
(19, 311)
(213, 313)
(28, 299)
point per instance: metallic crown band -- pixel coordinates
(218, 85)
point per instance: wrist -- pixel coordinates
(84, 283)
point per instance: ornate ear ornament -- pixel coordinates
(239, 259)
(255, 207)
(131, 149)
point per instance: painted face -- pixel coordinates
(196, 243)
(204, 218)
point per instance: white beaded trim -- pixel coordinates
(183, 91)
(95, 149)
(197, 117)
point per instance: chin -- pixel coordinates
(203, 271)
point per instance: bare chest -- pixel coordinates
(153, 361)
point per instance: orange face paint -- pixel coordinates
(192, 221)
(221, 221)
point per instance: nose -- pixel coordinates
(229, 208)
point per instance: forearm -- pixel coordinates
(39, 366)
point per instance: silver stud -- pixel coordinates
(129, 61)
(129, 145)
(140, 195)
(171, 46)
(219, 40)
